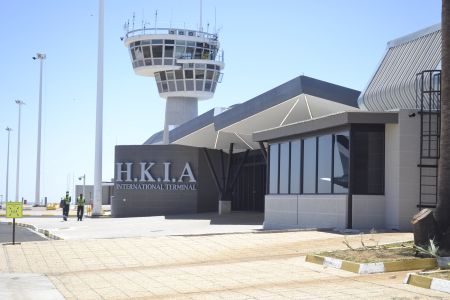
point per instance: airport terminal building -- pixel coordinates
(308, 153)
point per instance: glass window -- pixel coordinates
(180, 85)
(162, 75)
(147, 53)
(284, 168)
(199, 74)
(179, 52)
(198, 53)
(146, 42)
(157, 61)
(157, 77)
(133, 54)
(209, 75)
(148, 62)
(178, 74)
(189, 52)
(169, 42)
(214, 86)
(189, 74)
(368, 158)
(189, 85)
(273, 169)
(296, 154)
(168, 51)
(192, 44)
(180, 43)
(170, 75)
(157, 51)
(309, 166)
(171, 86)
(324, 164)
(341, 162)
(164, 87)
(207, 85)
(157, 42)
(199, 85)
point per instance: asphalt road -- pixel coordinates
(22, 234)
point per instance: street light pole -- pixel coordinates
(7, 165)
(37, 196)
(97, 203)
(20, 103)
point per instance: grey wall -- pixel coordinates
(145, 198)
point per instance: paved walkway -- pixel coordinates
(230, 266)
(100, 228)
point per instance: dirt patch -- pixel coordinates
(441, 274)
(391, 252)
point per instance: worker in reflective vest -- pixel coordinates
(67, 199)
(80, 207)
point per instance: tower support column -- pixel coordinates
(178, 111)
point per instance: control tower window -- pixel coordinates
(179, 52)
(146, 50)
(207, 86)
(198, 53)
(157, 51)
(180, 85)
(189, 74)
(179, 74)
(170, 75)
(163, 76)
(157, 42)
(190, 52)
(209, 75)
(192, 44)
(199, 85)
(199, 74)
(168, 51)
(180, 43)
(169, 42)
(133, 54)
(189, 85)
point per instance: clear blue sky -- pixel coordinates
(266, 43)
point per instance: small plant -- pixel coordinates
(432, 249)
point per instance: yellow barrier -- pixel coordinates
(52, 206)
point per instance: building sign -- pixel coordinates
(154, 176)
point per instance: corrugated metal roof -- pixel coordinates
(392, 85)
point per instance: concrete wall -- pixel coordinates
(159, 197)
(305, 211)
(402, 152)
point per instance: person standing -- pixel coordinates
(67, 199)
(80, 207)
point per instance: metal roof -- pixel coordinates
(392, 85)
(298, 99)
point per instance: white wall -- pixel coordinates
(368, 211)
(305, 211)
(402, 150)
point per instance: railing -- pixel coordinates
(172, 31)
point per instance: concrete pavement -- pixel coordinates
(232, 266)
(201, 256)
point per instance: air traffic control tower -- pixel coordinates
(185, 63)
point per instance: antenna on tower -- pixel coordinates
(215, 21)
(156, 18)
(201, 8)
(133, 19)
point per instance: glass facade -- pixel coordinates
(321, 164)
(324, 166)
(284, 168)
(150, 52)
(273, 169)
(192, 77)
(295, 171)
(309, 166)
(341, 158)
